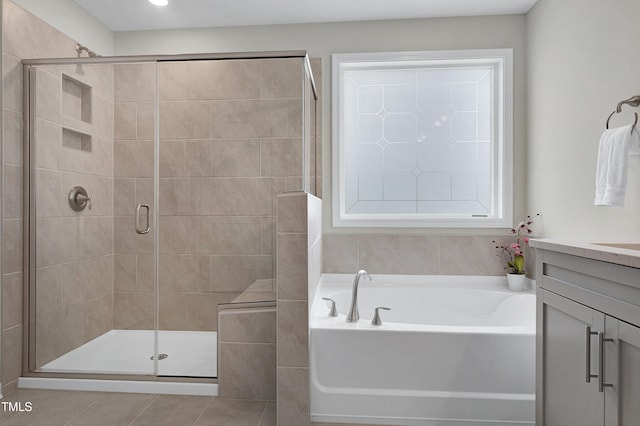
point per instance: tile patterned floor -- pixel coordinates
(114, 409)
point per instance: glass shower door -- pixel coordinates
(91, 266)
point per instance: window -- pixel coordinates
(423, 139)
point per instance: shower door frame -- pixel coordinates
(29, 200)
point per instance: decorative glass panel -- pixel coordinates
(421, 140)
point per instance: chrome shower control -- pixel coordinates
(376, 317)
(78, 199)
(334, 311)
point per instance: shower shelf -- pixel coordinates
(76, 99)
(75, 139)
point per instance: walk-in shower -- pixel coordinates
(150, 200)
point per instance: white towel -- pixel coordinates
(611, 171)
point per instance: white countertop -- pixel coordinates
(621, 253)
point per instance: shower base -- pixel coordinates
(189, 354)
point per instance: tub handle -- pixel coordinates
(334, 311)
(587, 343)
(376, 317)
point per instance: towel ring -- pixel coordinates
(632, 127)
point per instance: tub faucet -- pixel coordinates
(353, 315)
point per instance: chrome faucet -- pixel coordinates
(353, 315)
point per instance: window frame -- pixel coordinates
(502, 168)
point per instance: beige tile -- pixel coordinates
(59, 333)
(97, 162)
(50, 196)
(172, 81)
(293, 334)
(202, 310)
(13, 192)
(239, 79)
(12, 77)
(103, 117)
(249, 118)
(48, 92)
(282, 78)
(56, 241)
(49, 290)
(247, 325)
(13, 137)
(266, 157)
(269, 416)
(133, 310)
(295, 121)
(235, 157)
(124, 197)
(144, 192)
(247, 371)
(12, 289)
(25, 34)
(126, 240)
(340, 254)
(293, 396)
(183, 273)
(56, 408)
(292, 267)
(399, 254)
(184, 120)
(292, 213)
(95, 236)
(237, 273)
(471, 255)
(223, 412)
(145, 121)
(134, 82)
(98, 317)
(172, 158)
(145, 275)
(124, 272)
(171, 312)
(198, 154)
(287, 157)
(88, 279)
(125, 120)
(236, 235)
(173, 410)
(185, 196)
(173, 234)
(241, 196)
(268, 235)
(133, 159)
(12, 246)
(103, 412)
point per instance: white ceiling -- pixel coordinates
(131, 15)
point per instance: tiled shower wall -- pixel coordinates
(24, 37)
(74, 250)
(230, 140)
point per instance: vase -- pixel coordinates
(516, 281)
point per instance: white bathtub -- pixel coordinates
(453, 351)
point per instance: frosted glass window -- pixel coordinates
(423, 139)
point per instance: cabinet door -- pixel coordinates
(567, 398)
(622, 370)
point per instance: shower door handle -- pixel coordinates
(140, 230)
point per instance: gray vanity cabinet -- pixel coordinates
(588, 344)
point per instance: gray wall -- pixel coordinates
(582, 60)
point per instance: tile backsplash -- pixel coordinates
(413, 254)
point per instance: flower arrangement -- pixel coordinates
(514, 253)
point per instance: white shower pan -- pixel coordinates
(189, 354)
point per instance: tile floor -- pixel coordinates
(112, 409)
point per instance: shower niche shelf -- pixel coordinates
(76, 100)
(76, 140)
